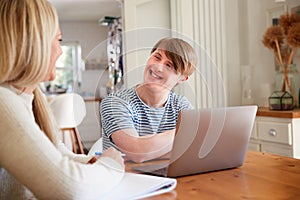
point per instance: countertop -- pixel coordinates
(266, 112)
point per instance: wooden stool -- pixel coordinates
(75, 138)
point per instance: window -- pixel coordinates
(68, 73)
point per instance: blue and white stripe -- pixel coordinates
(125, 110)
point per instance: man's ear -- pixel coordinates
(183, 78)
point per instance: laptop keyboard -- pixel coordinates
(160, 172)
(156, 169)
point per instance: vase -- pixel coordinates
(288, 82)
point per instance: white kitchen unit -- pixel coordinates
(277, 132)
(89, 129)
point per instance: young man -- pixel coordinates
(141, 121)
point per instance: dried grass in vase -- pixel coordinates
(282, 40)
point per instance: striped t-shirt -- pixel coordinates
(125, 110)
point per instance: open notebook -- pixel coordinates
(138, 186)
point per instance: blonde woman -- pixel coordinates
(32, 164)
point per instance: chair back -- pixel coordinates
(69, 110)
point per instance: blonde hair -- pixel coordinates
(27, 28)
(180, 53)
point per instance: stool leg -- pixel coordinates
(72, 134)
(78, 139)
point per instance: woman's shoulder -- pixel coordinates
(10, 101)
(14, 107)
(5, 90)
(7, 95)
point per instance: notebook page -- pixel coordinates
(137, 186)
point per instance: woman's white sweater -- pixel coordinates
(32, 167)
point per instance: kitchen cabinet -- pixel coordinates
(276, 132)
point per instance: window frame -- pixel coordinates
(76, 61)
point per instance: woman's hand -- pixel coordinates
(114, 154)
(111, 153)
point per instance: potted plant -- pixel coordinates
(282, 40)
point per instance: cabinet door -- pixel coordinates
(275, 132)
(283, 150)
(254, 145)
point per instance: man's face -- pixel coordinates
(160, 71)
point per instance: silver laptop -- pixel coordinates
(207, 140)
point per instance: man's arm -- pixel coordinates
(143, 148)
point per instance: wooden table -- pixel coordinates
(263, 176)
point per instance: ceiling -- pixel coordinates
(86, 10)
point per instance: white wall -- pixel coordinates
(202, 24)
(245, 26)
(90, 35)
(145, 22)
(232, 27)
(259, 57)
(246, 22)
(92, 38)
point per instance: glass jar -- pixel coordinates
(293, 79)
(281, 101)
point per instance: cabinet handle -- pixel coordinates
(272, 132)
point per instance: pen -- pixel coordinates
(98, 153)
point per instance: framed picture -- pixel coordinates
(273, 14)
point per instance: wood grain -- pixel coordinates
(263, 176)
